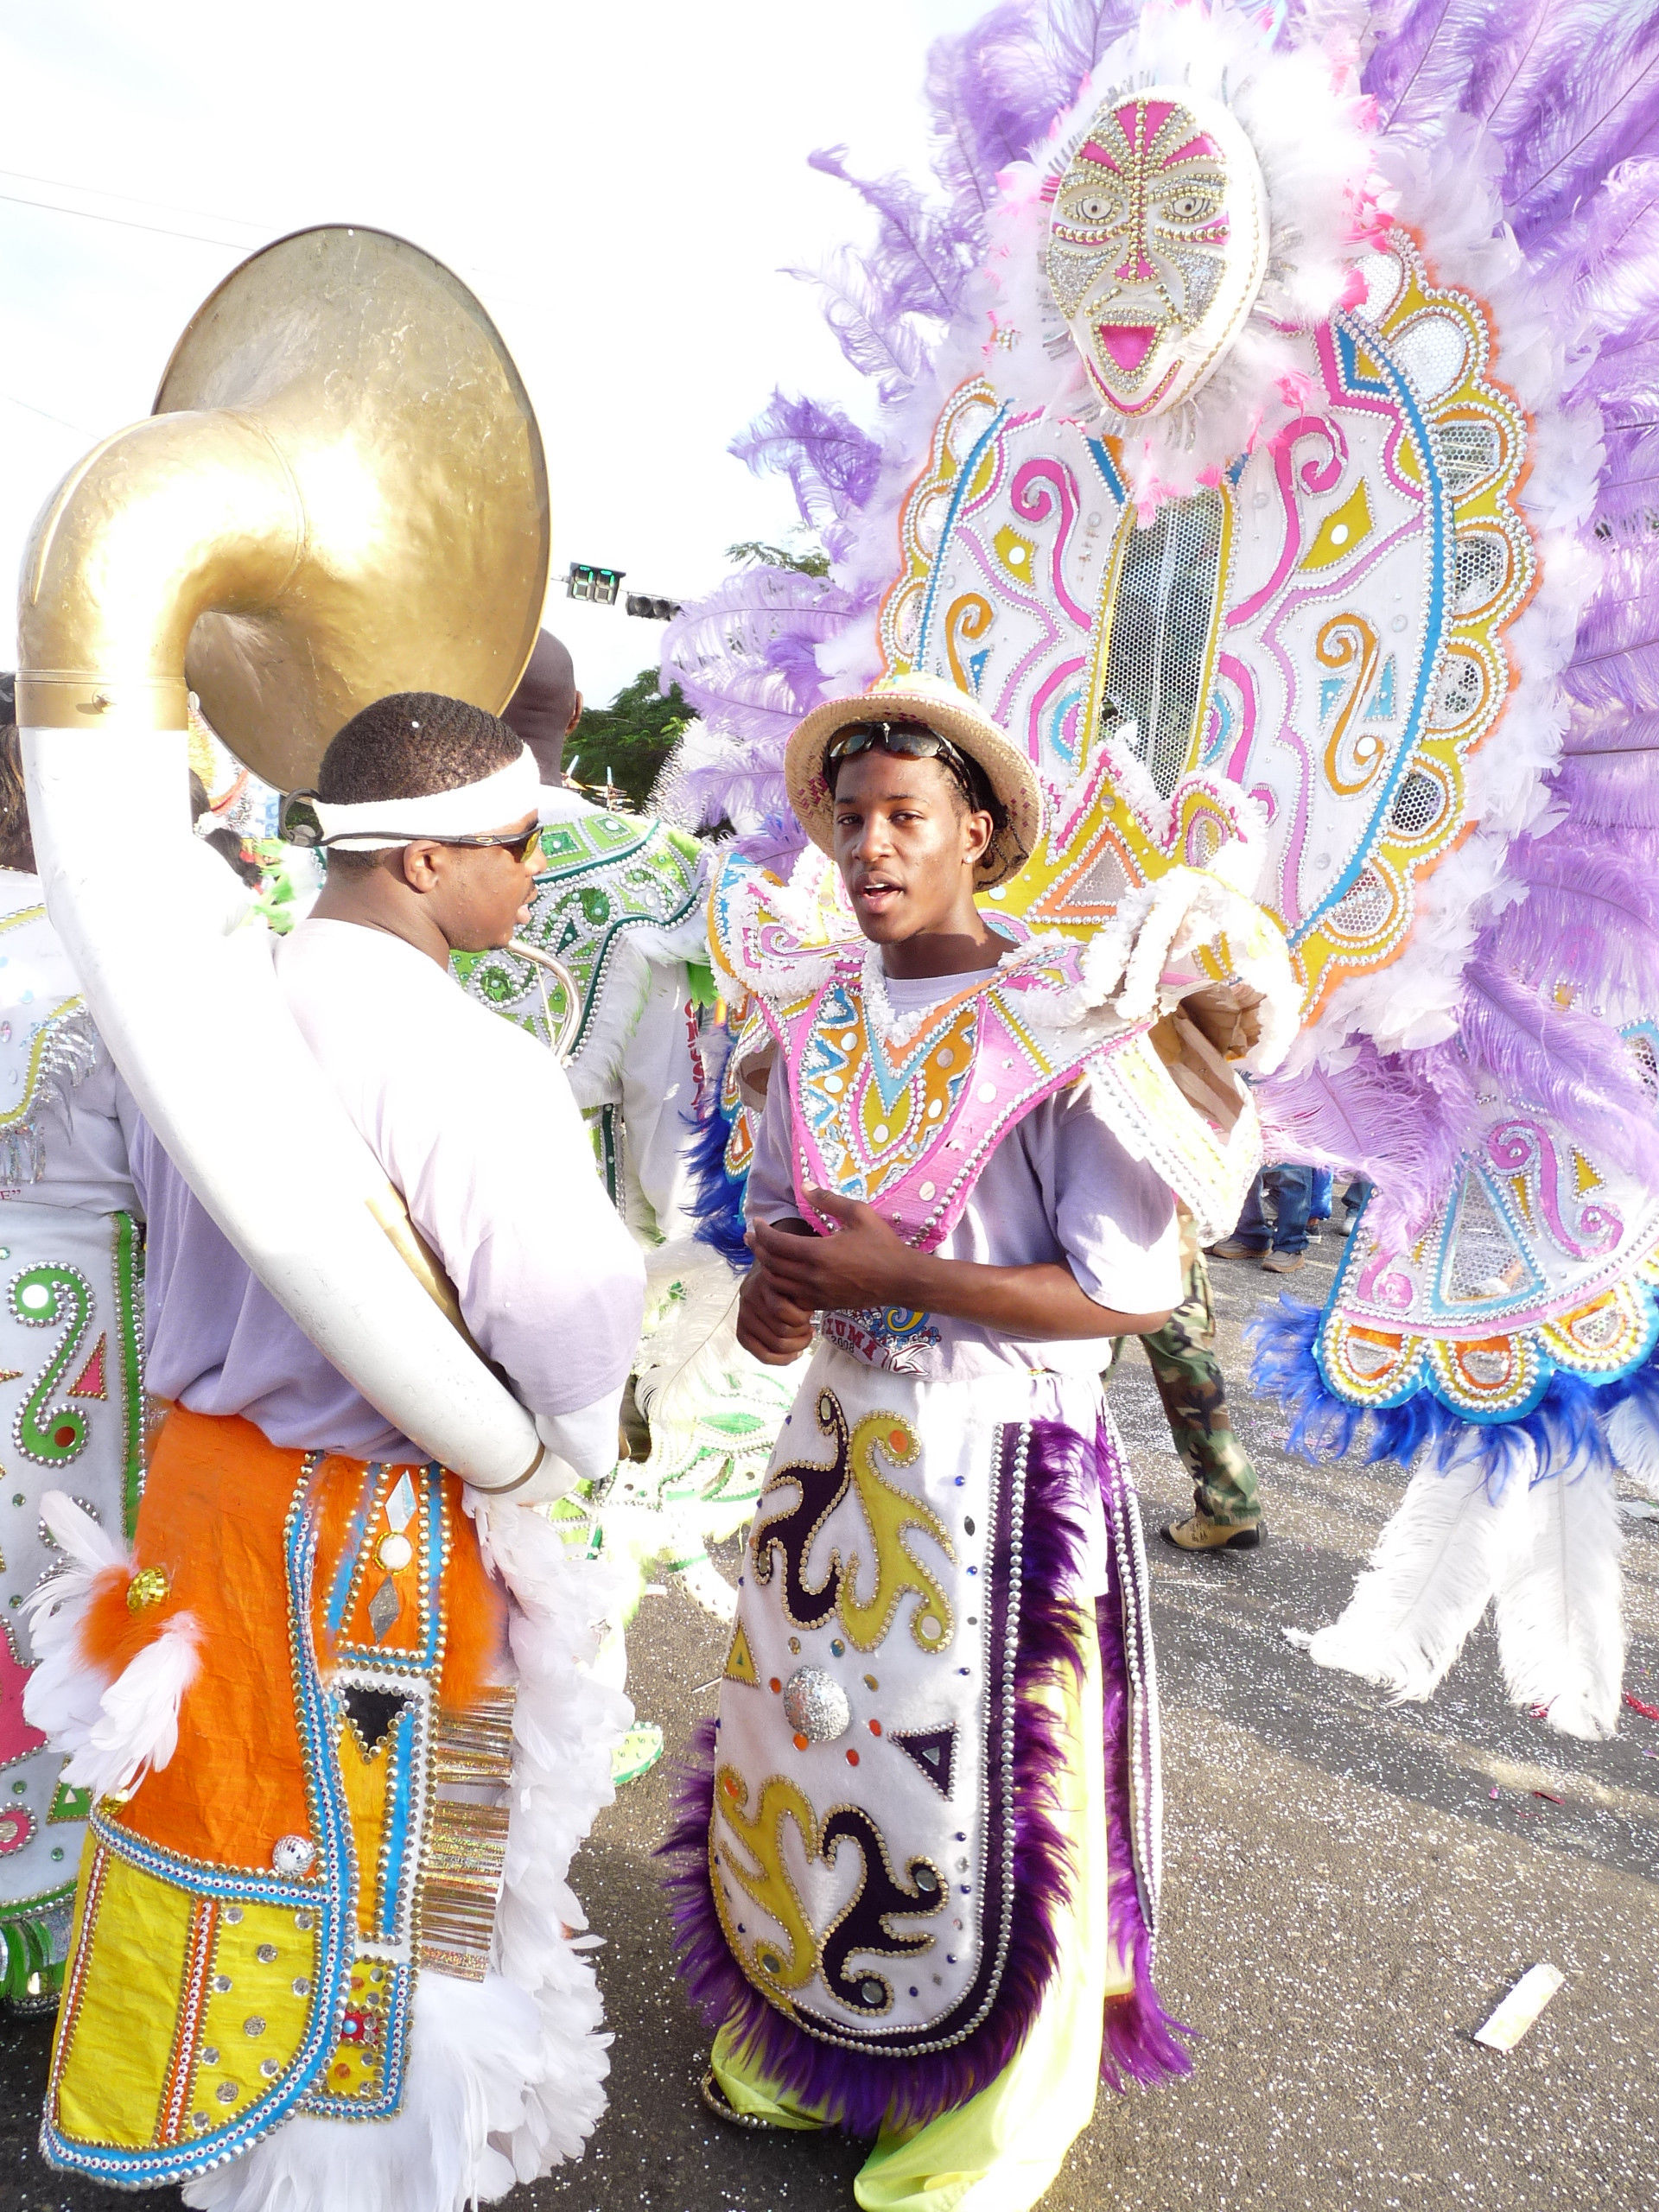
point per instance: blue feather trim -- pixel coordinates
(1561, 1427)
(718, 1204)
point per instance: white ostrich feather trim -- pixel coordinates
(1431, 1576)
(138, 1726)
(566, 1725)
(1633, 1439)
(470, 2046)
(1561, 1625)
(113, 1730)
(696, 1340)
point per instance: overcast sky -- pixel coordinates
(620, 184)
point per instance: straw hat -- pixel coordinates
(950, 713)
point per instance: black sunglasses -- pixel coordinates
(298, 825)
(911, 741)
(517, 842)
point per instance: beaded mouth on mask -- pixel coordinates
(1127, 343)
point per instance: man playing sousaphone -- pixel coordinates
(330, 1700)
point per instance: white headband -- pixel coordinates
(469, 811)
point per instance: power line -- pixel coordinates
(497, 279)
(135, 200)
(122, 222)
(28, 406)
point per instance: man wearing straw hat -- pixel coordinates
(916, 1874)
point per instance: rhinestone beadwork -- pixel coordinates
(816, 1705)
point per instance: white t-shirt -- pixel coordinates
(1060, 1187)
(473, 1122)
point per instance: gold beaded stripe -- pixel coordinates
(466, 1841)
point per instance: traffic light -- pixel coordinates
(598, 585)
(654, 610)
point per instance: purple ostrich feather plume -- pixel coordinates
(994, 89)
(1568, 91)
(924, 252)
(721, 650)
(1566, 1063)
(860, 2093)
(1397, 1118)
(1591, 914)
(831, 464)
(1406, 1120)
(743, 658)
(992, 92)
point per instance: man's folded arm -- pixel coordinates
(550, 1282)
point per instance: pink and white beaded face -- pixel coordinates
(1157, 243)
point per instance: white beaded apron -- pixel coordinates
(862, 1846)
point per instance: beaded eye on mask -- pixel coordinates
(1157, 245)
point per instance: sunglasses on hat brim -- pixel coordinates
(910, 741)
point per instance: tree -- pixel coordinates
(631, 738)
(755, 552)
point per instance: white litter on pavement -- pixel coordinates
(1521, 2008)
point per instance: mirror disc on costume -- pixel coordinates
(816, 1705)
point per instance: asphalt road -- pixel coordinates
(1349, 1888)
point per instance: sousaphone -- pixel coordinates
(341, 494)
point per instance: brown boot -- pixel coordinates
(1234, 1248)
(1201, 1534)
(1282, 1263)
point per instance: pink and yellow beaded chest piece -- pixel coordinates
(901, 1110)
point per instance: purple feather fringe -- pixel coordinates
(860, 2093)
(1139, 2042)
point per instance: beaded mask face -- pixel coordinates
(1157, 244)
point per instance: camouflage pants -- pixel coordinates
(1189, 1380)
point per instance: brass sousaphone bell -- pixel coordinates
(341, 494)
